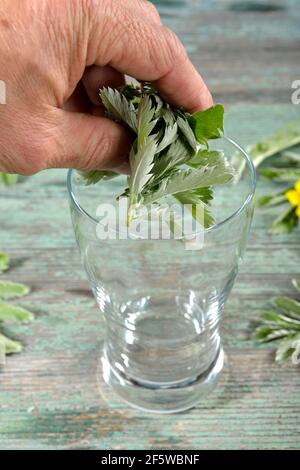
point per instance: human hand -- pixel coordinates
(54, 57)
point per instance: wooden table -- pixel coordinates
(49, 394)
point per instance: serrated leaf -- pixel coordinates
(169, 137)
(11, 290)
(208, 157)
(176, 154)
(141, 162)
(296, 284)
(285, 321)
(145, 121)
(266, 333)
(187, 180)
(12, 313)
(10, 346)
(290, 155)
(208, 124)
(198, 200)
(94, 176)
(280, 175)
(187, 133)
(290, 306)
(286, 348)
(286, 137)
(119, 107)
(4, 262)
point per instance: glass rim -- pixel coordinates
(247, 200)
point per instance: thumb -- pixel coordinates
(87, 142)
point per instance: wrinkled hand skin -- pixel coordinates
(54, 57)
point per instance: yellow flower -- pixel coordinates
(293, 196)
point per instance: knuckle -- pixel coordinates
(152, 9)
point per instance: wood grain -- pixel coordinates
(49, 394)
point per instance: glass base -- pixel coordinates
(162, 398)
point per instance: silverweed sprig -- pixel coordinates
(10, 313)
(282, 324)
(170, 153)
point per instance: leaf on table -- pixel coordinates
(285, 222)
(4, 261)
(266, 333)
(289, 306)
(287, 348)
(9, 346)
(284, 326)
(292, 155)
(280, 174)
(11, 290)
(286, 137)
(13, 313)
(296, 284)
(271, 200)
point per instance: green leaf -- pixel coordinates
(296, 284)
(290, 155)
(4, 261)
(208, 157)
(11, 290)
(187, 133)
(208, 124)
(266, 333)
(198, 200)
(94, 176)
(290, 306)
(285, 222)
(274, 319)
(12, 313)
(280, 174)
(10, 346)
(284, 138)
(119, 107)
(271, 200)
(170, 135)
(141, 162)
(177, 154)
(187, 180)
(286, 348)
(7, 179)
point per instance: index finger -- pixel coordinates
(146, 51)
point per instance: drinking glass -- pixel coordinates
(162, 303)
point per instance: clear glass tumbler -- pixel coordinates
(162, 303)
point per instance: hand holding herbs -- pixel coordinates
(43, 124)
(170, 153)
(283, 324)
